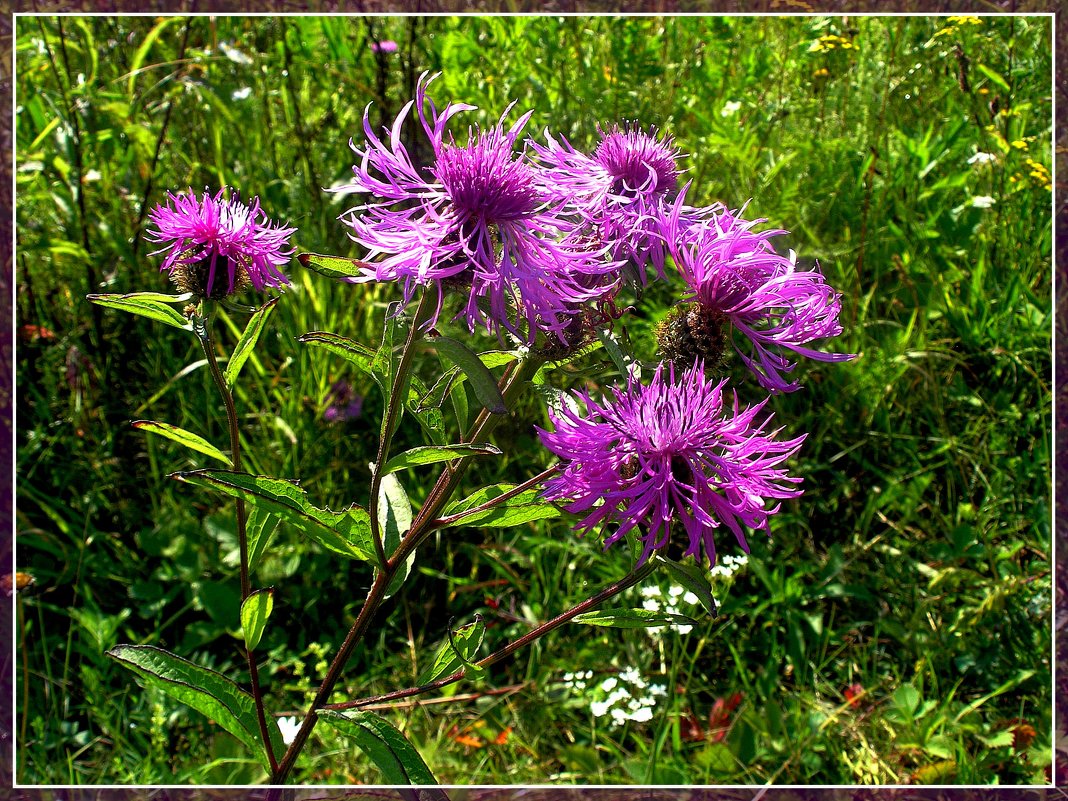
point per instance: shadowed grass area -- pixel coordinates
(895, 628)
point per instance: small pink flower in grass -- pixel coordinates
(737, 280)
(622, 190)
(473, 220)
(385, 46)
(215, 246)
(646, 456)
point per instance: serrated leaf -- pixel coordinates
(390, 750)
(693, 578)
(259, 529)
(347, 533)
(146, 304)
(248, 340)
(394, 521)
(430, 454)
(356, 354)
(482, 381)
(336, 267)
(519, 509)
(633, 618)
(456, 650)
(206, 691)
(255, 610)
(182, 437)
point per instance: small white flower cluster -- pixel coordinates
(656, 602)
(577, 680)
(982, 158)
(626, 696)
(727, 566)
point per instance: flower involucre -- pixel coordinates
(672, 450)
(622, 191)
(736, 277)
(474, 218)
(213, 235)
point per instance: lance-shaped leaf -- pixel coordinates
(254, 613)
(360, 356)
(514, 511)
(620, 353)
(347, 533)
(248, 341)
(693, 578)
(394, 521)
(336, 267)
(390, 750)
(182, 437)
(633, 618)
(430, 454)
(482, 381)
(459, 648)
(147, 304)
(259, 529)
(204, 690)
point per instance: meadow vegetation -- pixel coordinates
(896, 628)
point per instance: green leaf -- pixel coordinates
(347, 533)
(619, 353)
(336, 267)
(482, 381)
(430, 454)
(394, 521)
(142, 52)
(633, 619)
(390, 750)
(383, 365)
(147, 304)
(254, 613)
(1000, 82)
(248, 341)
(360, 356)
(693, 578)
(206, 691)
(182, 437)
(259, 530)
(521, 508)
(459, 648)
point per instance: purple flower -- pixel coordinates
(738, 279)
(650, 454)
(475, 219)
(344, 403)
(206, 236)
(385, 46)
(622, 191)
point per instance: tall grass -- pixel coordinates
(914, 571)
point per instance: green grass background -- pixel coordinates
(917, 564)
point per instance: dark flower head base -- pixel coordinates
(474, 219)
(647, 456)
(736, 276)
(213, 238)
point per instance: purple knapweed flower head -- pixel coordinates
(738, 281)
(673, 450)
(385, 46)
(622, 191)
(211, 238)
(475, 219)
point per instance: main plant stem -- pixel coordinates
(421, 528)
(588, 605)
(203, 329)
